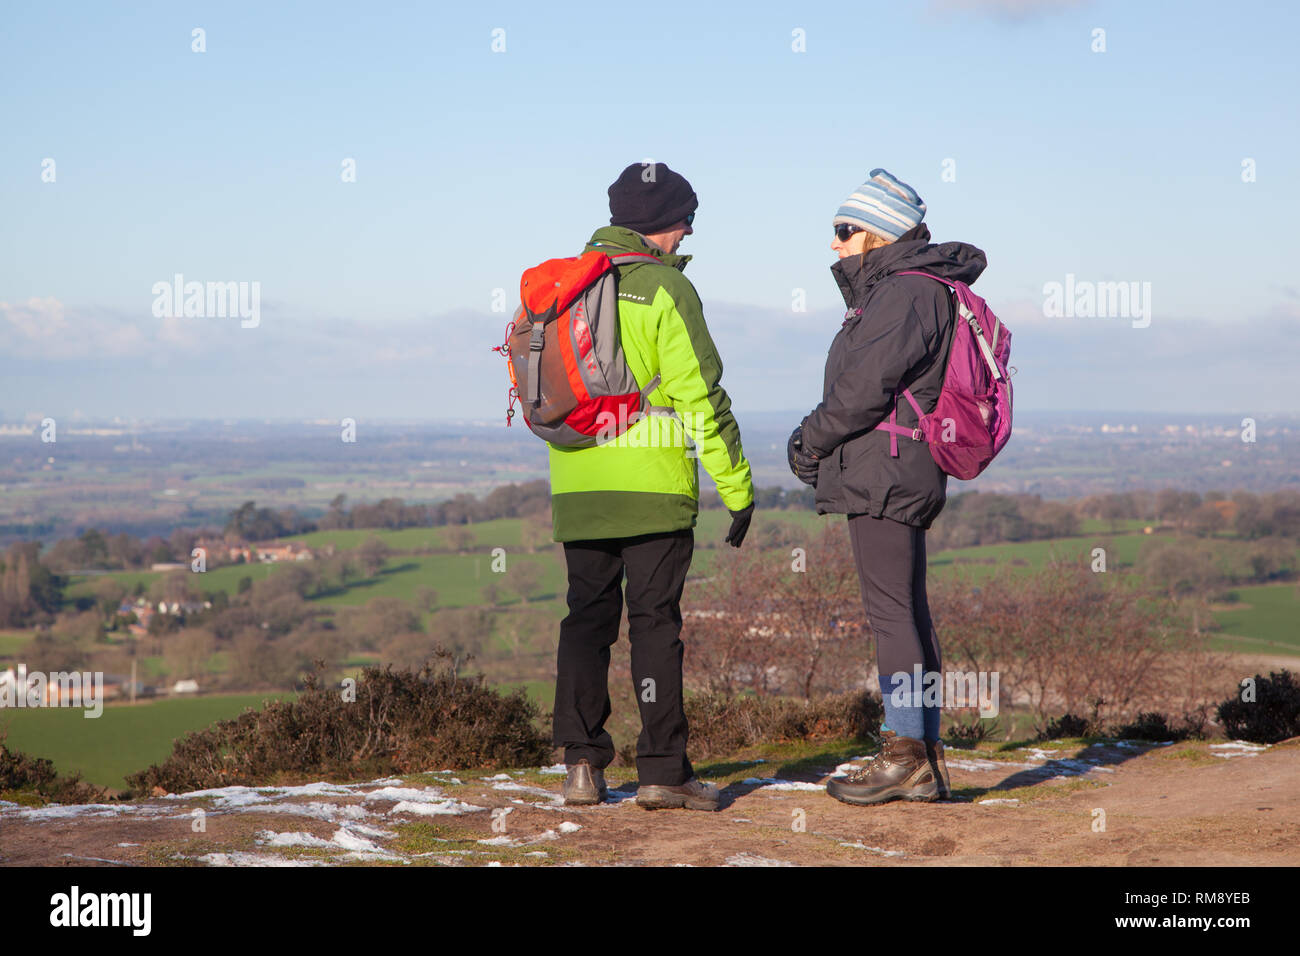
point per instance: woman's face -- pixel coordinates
(853, 247)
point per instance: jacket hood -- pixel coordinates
(613, 240)
(959, 261)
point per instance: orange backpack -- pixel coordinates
(566, 363)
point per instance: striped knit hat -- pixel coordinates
(882, 205)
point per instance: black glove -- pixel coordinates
(802, 464)
(792, 448)
(739, 525)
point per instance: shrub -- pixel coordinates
(20, 771)
(1151, 726)
(970, 732)
(1273, 715)
(722, 724)
(1067, 725)
(399, 722)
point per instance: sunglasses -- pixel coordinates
(843, 231)
(690, 218)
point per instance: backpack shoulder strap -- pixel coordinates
(627, 257)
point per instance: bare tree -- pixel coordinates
(523, 578)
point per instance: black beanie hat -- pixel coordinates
(649, 198)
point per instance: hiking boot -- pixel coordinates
(934, 752)
(901, 771)
(584, 785)
(694, 794)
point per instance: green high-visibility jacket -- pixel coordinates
(647, 480)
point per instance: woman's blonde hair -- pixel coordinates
(872, 242)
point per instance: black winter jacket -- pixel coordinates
(896, 335)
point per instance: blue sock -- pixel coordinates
(907, 721)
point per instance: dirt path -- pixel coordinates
(1176, 805)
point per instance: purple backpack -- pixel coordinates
(971, 421)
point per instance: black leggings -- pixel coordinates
(891, 573)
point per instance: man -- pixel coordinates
(630, 504)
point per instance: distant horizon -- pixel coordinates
(484, 422)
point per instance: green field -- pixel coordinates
(11, 642)
(1268, 619)
(459, 579)
(498, 533)
(1122, 550)
(218, 579)
(123, 739)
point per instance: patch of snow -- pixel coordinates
(977, 765)
(556, 768)
(297, 838)
(537, 853)
(534, 805)
(1002, 801)
(499, 841)
(366, 830)
(1237, 748)
(226, 797)
(500, 776)
(536, 791)
(344, 839)
(69, 811)
(1053, 767)
(448, 807)
(753, 859)
(570, 827)
(329, 812)
(407, 794)
(772, 783)
(127, 844)
(239, 858)
(859, 845)
(355, 841)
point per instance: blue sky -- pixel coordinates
(376, 295)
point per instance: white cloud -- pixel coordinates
(44, 329)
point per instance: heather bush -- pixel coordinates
(398, 722)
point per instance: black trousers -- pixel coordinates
(891, 574)
(656, 566)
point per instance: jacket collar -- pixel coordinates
(855, 275)
(614, 240)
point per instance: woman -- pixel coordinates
(895, 335)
